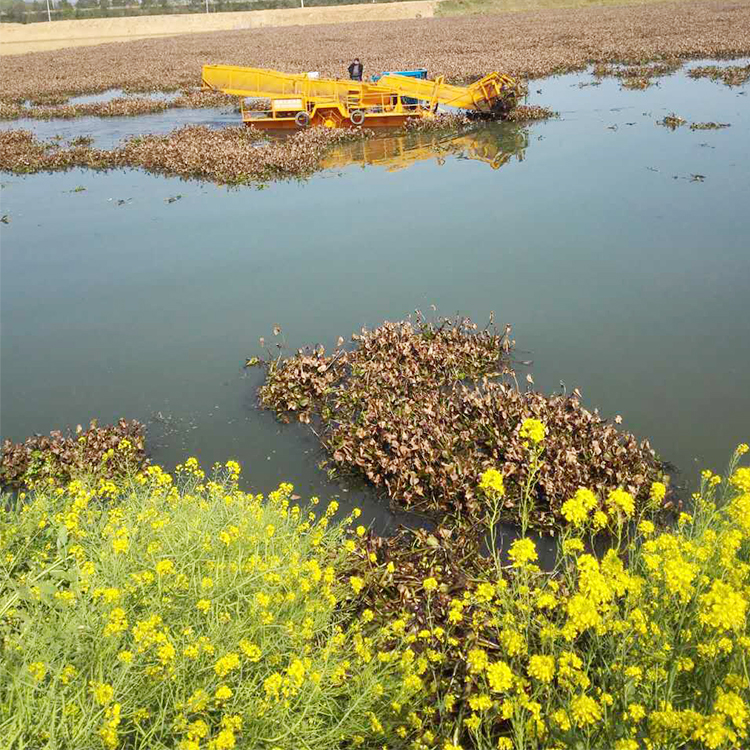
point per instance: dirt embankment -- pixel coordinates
(19, 38)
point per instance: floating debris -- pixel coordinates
(5, 218)
(443, 121)
(636, 83)
(709, 126)
(672, 121)
(529, 112)
(172, 198)
(697, 177)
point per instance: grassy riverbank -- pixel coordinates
(162, 611)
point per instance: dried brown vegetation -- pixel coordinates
(416, 408)
(526, 44)
(637, 76)
(672, 121)
(529, 112)
(84, 452)
(232, 156)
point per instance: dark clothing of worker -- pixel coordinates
(355, 71)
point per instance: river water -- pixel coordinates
(618, 250)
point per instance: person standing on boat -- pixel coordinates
(355, 70)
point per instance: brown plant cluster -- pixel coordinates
(98, 451)
(526, 44)
(454, 553)
(232, 156)
(529, 112)
(418, 410)
(672, 121)
(731, 75)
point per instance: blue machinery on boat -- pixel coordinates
(418, 73)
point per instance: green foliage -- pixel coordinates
(148, 615)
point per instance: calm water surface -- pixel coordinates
(621, 273)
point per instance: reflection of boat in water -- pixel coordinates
(493, 145)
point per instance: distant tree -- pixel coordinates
(17, 12)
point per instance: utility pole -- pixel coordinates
(49, 13)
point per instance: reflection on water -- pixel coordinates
(494, 145)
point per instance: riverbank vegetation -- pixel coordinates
(638, 643)
(534, 44)
(421, 409)
(158, 614)
(182, 612)
(98, 450)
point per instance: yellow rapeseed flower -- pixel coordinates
(499, 676)
(37, 670)
(621, 500)
(585, 711)
(491, 483)
(223, 693)
(226, 664)
(522, 552)
(534, 430)
(102, 692)
(164, 567)
(542, 668)
(741, 479)
(477, 660)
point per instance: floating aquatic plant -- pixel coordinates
(729, 75)
(709, 125)
(421, 409)
(529, 112)
(672, 121)
(234, 155)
